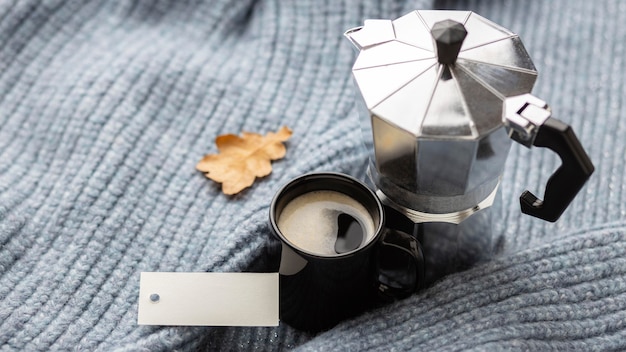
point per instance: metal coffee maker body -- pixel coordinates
(443, 95)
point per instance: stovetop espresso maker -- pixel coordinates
(443, 94)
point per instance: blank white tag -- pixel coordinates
(208, 299)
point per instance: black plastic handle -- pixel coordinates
(567, 180)
(400, 261)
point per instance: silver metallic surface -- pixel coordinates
(451, 218)
(524, 114)
(439, 139)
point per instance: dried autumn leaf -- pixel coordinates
(242, 159)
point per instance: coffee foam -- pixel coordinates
(309, 221)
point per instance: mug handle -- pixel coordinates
(531, 124)
(399, 259)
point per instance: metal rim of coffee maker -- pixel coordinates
(453, 218)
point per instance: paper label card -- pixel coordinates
(208, 299)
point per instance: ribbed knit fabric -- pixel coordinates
(106, 106)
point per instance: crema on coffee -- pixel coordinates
(310, 221)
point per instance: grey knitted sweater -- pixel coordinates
(106, 106)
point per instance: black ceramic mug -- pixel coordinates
(342, 251)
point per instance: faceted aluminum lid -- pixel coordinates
(403, 82)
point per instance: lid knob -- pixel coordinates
(448, 36)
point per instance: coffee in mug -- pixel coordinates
(326, 223)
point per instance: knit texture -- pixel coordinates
(106, 106)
